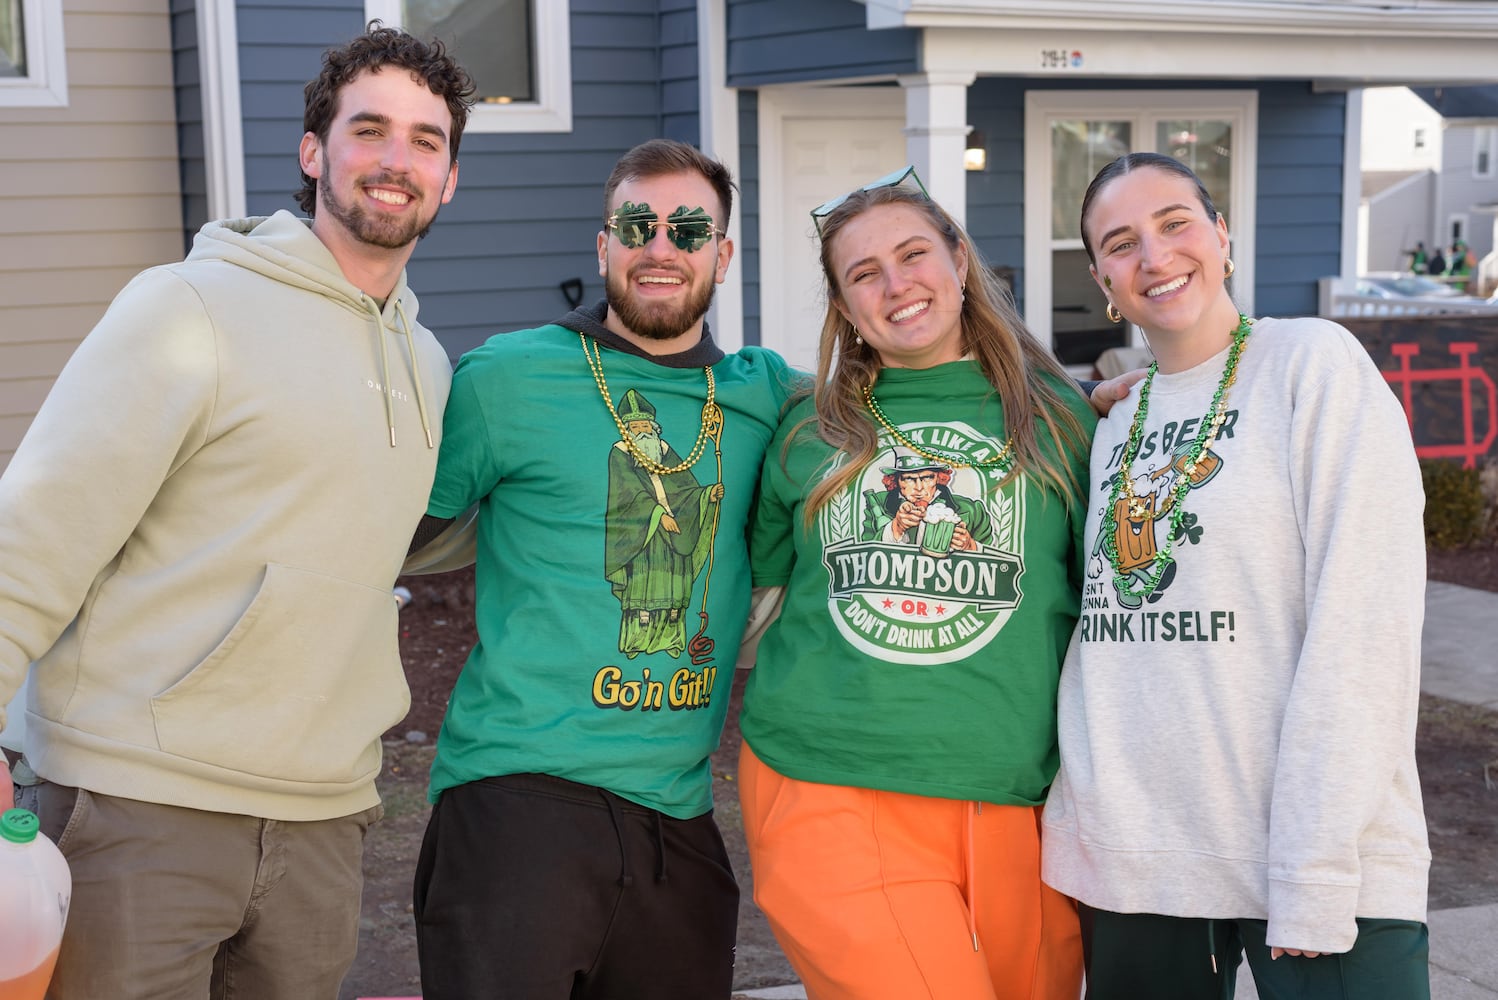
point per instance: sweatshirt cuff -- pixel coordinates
(1312, 917)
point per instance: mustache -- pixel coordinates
(390, 180)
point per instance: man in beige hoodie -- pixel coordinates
(198, 538)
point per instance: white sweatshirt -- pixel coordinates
(1242, 743)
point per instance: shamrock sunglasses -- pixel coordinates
(904, 177)
(688, 229)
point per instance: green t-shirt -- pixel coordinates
(610, 600)
(896, 665)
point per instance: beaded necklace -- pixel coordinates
(1001, 461)
(709, 411)
(1123, 484)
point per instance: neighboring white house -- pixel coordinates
(1430, 174)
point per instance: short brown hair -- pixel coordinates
(377, 48)
(659, 157)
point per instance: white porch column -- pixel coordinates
(936, 131)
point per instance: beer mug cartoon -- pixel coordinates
(937, 528)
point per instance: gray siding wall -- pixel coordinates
(1397, 218)
(1462, 191)
(280, 49)
(189, 100)
(1300, 196)
(678, 47)
(787, 41)
(746, 254)
(528, 205)
(1299, 168)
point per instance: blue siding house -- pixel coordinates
(1006, 108)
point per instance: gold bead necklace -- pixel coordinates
(1001, 461)
(595, 365)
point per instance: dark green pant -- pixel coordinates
(1132, 955)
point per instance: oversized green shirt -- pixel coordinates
(894, 669)
(610, 599)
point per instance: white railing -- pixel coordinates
(1334, 302)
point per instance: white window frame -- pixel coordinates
(1142, 108)
(551, 111)
(1485, 140)
(45, 84)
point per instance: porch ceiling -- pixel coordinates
(1432, 18)
(1338, 44)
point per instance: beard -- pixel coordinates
(649, 443)
(655, 320)
(387, 233)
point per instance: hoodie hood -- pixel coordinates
(589, 322)
(283, 248)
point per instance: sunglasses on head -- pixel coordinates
(688, 229)
(904, 177)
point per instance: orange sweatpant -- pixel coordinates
(877, 895)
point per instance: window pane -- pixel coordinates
(491, 38)
(12, 39)
(1206, 146)
(1079, 149)
(1482, 150)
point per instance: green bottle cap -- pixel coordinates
(19, 826)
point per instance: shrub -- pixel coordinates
(1455, 510)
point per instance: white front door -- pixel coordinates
(815, 143)
(1069, 137)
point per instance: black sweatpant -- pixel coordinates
(530, 886)
(1131, 955)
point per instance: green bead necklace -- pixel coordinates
(1123, 484)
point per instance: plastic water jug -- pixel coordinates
(35, 887)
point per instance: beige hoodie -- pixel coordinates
(199, 533)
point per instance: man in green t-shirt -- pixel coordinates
(572, 851)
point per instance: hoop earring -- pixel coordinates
(1227, 267)
(1114, 316)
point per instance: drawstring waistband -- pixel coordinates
(660, 846)
(627, 879)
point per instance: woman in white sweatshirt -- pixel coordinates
(1237, 709)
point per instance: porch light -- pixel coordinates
(975, 157)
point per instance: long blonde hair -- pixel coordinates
(1011, 359)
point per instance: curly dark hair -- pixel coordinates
(377, 48)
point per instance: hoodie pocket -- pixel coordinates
(299, 690)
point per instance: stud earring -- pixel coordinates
(1107, 281)
(1227, 267)
(1114, 316)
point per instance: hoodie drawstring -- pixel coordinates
(421, 403)
(384, 367)
(1212, 945)
(970, 863)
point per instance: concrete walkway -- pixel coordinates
(1459, 661)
